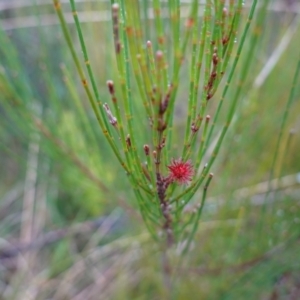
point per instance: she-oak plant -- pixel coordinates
(164, 182)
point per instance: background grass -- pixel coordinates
(64, 237)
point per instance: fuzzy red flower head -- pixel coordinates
(181, 172)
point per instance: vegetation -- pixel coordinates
(149, 150)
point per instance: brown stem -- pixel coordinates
(162, 185)
(167, 270)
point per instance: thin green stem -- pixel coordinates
(198, 216)
(195, 185)
(57, 6)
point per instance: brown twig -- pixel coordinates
(51, 237)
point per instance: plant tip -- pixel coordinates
(115, 6)
(110, 85)
(159, 54)
(146, 149)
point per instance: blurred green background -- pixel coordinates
(62, 236)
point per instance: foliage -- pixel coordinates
(164, 81)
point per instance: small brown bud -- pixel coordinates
(128, 141)
(115, 7)
(163, 107)
(215, 59)
(110, 85)
(194, 128)
(154, 154)
(149, 44)
(159, 55)
(161, 40)
(161, 125)
(225, 40)
(207, 118)
(118, 47)
(146, 149)
(189, 23)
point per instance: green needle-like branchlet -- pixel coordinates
(57, 6)
(197, 183)
(141, 116)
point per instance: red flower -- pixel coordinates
(181, 172)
